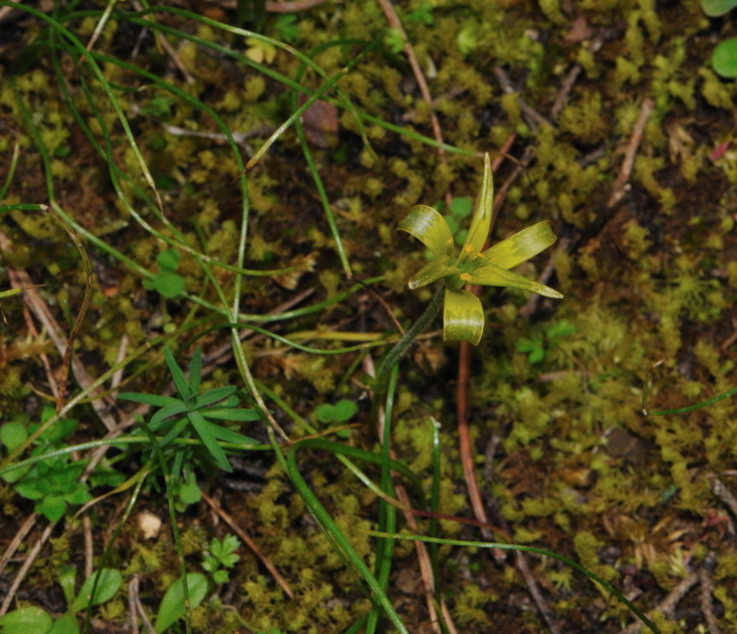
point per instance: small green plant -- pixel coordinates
(537, 346)
(220, 557)
(421, 15)
(463, 315)
(167, 282)
(54, 483)
(104, 585)
(286, 27)
(339, 413)
(192, 415)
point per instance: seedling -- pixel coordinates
(286, 27)
(192, 415)
(167, 282)
(220, 556)
(53, 483)
(339, 413)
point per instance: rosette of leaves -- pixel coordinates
(195, 415)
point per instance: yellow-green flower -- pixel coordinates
(463, 315)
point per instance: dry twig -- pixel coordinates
(250, 543)
(621, 184)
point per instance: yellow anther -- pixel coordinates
(466, 277)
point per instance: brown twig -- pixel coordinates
(25, 567)
(534, 118)
(135, 607)
(571, 79)
(292, 7)
(668, 605)
(396, 23)
(707, 589)
(250, 543)
(32, 298)
(464, 364)
(621, 184)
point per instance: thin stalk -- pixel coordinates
(396, 353)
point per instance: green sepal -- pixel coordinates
(429, 227)
(522, 246)
(431, 272)
(463, 316)
(492, 275)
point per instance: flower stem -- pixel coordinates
(424, 320)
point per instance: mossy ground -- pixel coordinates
(564, 452)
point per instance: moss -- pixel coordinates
(551, 9)
(716, 92)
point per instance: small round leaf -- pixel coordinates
(724, 58)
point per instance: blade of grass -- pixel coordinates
(529, 549)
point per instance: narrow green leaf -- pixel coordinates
(175, 432)
(157, 400)
(167, 412)
(203, 429)
(238, 414)
(429, 227)
(177, 375)
(432, 272)
(214, 396)
(463, 316)
(228, 435)
(195, 371)
(492, 275)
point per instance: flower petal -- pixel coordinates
(522, 246)
(491, 275)
(430, 228)
(481, 222)
(431, 272)
(463, 316)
